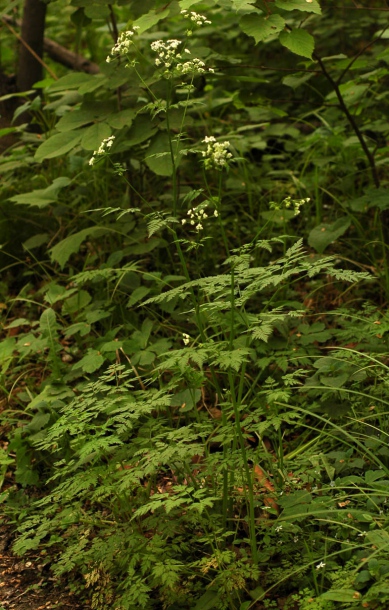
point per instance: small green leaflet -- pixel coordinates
(36, 241)
(185, 4)
(186, 400)
(324, 234)
(42, 197)
(48, 322)
(71, 81)
(58, 145)
(151, 18)
(91, 362)
(61, 252)
(299, 42)
(299, 5)
(296, 80)
(207, 601)
(243, 5)
(341, 595)
(261, 28)
(158, 156)
(75, 119)
(94, 135)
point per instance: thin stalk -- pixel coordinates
(172, 155)
(249, 492)
(350, 119)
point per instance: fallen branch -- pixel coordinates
(57, 52)
(69, 59)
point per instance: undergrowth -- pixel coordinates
(196, 394)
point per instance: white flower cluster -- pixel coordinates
(195, 66)
(167, 52)
(197, 217)
(185, 338)
(123, 44)
(102, 150)
(288, 202)
(196, 19)
(169, 58)
(216, 154)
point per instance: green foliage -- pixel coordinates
(197, 404)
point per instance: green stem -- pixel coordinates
(172, 155)
(249, 492)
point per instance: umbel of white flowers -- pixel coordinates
(102, 150)
(195, 19)
(216, 154)
(197, 217)
(169, 58)
(123, 44)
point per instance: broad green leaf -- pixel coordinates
(278, 216)
(7, 130)
(380, 538)
(158, 156)
(79, 327)
(351, 92)
(144, 358)
(373, 475)
(243, 5)
(142, 248)
(42, 197)
(76, 302)
(335, 382)
(62, 251)
(97, 12)
(57, 145)
(186, 400)
(71, 81)
(255, 594)
(56, 292)
(141, 130)
(121, 119)
(79, 19)
(208, 600)
(94, 135)
(111, 346)
(185, 4)
(324, 234)
(299, 42)
(150, 19)
(7, 348)
(98, 80)
(372, 198)
(300, 5)
(48, 321)
(74, 119)
(36, 241)
(341, 595)
(91, 362)
(18, 322)
(261, 28)
(138, 294)
(295, 80)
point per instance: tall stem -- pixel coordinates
(351, 120)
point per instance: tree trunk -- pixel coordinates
(32, 33)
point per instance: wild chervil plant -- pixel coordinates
(205, 433)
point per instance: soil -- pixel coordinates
(27, 583)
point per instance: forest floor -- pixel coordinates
(27, 583)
